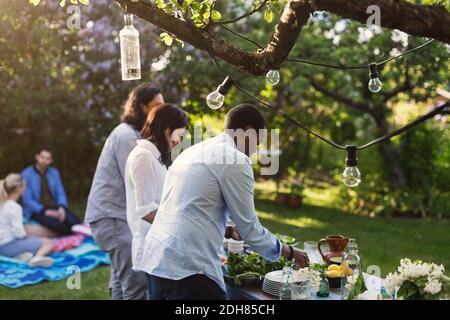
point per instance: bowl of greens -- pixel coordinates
(250, 269)
(287, 239)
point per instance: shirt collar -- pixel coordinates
(150, 146)
(224, 136)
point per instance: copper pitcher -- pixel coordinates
(337, 244)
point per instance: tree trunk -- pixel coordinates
(389, 153)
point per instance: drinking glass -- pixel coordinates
(229, 229)
(312, 252)
(301, 290)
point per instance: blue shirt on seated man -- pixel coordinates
(45, 200)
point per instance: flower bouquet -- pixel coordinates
(417, 280)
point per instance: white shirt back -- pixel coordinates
(144, 179)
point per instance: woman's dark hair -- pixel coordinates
(132, 114)
(163, 117)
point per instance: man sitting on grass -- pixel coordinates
(45, 200)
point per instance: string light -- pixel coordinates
(374, 82)
(351, 176)
(273, 77)
(215, 99)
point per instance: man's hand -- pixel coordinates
(52, 213)
(62, 214)
(301, 258)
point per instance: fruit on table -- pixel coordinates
(334, 274)
(346, 270)
(332, 267)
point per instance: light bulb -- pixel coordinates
(215, 99)
(351, 177)
(374, 83)
(273, 77)
(129, 50)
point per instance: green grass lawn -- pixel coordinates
(382, 241)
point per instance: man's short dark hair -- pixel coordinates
(245, 115)
(48, 149)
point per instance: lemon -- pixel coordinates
(346, 271)
(334, 274)
(334, 267)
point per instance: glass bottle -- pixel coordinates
(285, 288)
(351, 266)
(383, 295)
(324, 287)
(129, 50)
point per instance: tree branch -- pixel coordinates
(340, 97)
(406, 86)
(419, 20)
(244, 15)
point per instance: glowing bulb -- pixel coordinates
(129, 50)
(215, 99)
(351, 177)
(374, 83)
(273, 77)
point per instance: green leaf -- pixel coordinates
(85, 2)
(166, 38)
(215, 15)
(268, 15)
(35, 2)
(358, 288)
(160, 4)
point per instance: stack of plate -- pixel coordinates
(272, 284)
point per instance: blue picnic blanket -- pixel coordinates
(85, 257)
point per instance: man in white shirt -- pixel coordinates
(207, 184)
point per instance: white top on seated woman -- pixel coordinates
(14, 242)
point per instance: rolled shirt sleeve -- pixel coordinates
(237, 189)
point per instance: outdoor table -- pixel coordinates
(235, 292)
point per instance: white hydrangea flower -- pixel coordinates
(433, 286)
(351, 280)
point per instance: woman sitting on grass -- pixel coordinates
(14, 242)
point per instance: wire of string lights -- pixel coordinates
(351, 175)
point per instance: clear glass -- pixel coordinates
(351, 177)
(285, 288)
(312, 252)
(375, 85)
(351, 266)
(215, 99)
(273, 77)
(301, 290)
(129, 50)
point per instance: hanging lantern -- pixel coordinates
(129, 50)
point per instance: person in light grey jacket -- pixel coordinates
(106, 210)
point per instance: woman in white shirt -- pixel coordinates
(146, 169)
(14, 242)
